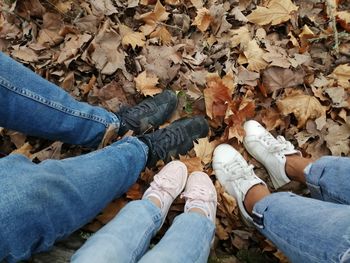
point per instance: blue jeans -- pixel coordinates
(311, 230)
(40, 203)
(35, 106)
(127, 238)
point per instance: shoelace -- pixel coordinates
(238, 170)
(276, 145)
(164, 183)
(168, 139)
(199, 193)
(132, 115)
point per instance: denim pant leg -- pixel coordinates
(126, 238)
(329, 179)
(35, 106)
(41, 203)
(305, 229)
(187, 240)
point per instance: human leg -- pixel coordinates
(37, 107)
(306, 230)
(128, 235)
(43, 202)
(190, 236)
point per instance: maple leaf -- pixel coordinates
(129, 37)
(276, 12)
(342, 75)
(147, 84)
(159, 14)
(275, 78)
(254, 55)
(304, 107)
(203, 19)
(193, 164)
(238, 112)
(216, 96)
(204, 149)
(163, 34)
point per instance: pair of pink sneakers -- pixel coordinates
(170, 182)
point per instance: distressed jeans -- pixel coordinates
(127, 238)
(40, 203)
(311, 230)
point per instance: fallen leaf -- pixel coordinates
(276, 12)
(129, 37)
(193, 164)
(104, 7)
(342, 75)
(159, 14)
(276, 78)
(304, 107)
(146, 84)
(163, 34)
(254, 55)
(204, 149)
(203, 19)
(337, 139)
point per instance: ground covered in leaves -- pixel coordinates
(284, 63)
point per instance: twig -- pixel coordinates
(331, 9)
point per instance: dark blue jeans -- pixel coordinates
(40, 203)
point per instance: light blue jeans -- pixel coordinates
(40, 203)
(311, 230)
(127, 238)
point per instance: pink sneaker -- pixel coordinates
(200, 193)
(167, 185)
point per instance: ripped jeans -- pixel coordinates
(311, 230)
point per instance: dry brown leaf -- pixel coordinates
(72, 47)
(134, 192)
(216, 96)
(342, 75)
(203, 19)
(24, 150)
(159, 14)
(272, 119)
(275, 78)
(197, 3)
(163, 34)
(304, 107)
(111, 210)
(193, 164)
(146, 84)
(104, 7)
(240, 36)
(129, 37)
(254, 55)
(204, 149)
(276, 12)
(337, 139)
(25, 54)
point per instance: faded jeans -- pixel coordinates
(127, 238)
(40, 203)
(311, 230)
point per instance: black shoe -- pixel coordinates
(175, 139)
(149, 114)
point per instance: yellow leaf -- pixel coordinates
(193, 164)
(147, 84)
(129, 37)
(342, 75)
(254, 55)
(163, 34)
(276, 12)
(304, 107)
(203, 19)
(204, 149)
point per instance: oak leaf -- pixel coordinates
(304, 107)
(147, 84)
(203, 19)
(276, 12)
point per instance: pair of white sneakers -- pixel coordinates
(237, 177)
(170, 182)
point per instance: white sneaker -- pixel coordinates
(269, 151)
(235, 175)
(167, 185)
(200, 193)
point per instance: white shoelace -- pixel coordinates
(239, 171)
(164, 183)
(276, 145)
(199, 193)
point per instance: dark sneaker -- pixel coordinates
(175, 139)
(149, 114)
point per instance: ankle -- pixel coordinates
(155, 201)
(295, 166)
(254, 195)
